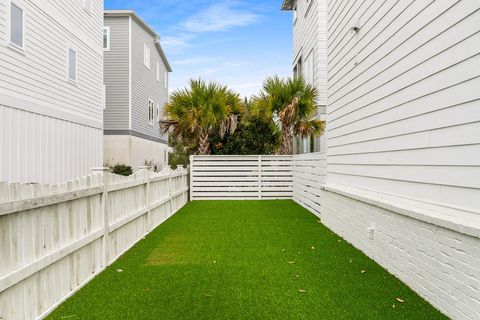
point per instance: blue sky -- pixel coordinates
(235, 42)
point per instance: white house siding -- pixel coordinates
(310, 43)
(34, 83)
(404, 104)
(144, 83)
(117, 74)
(403, 154)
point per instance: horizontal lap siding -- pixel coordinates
(40, 74)
(117, 75)
(310, 33)
(404, 100)
(144, 82)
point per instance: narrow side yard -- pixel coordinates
(244, 260)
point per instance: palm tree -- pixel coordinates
(195, 113)
(291, 103)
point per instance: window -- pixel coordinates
(88, 5)
(16, 25)
(151, 114)
(146, 56)
(297, 70)
(309, 4)
(295, 14)
(72, 64)
(308, 70)
(106, 38)
(158, 72)
(157, 114)
(166, 79)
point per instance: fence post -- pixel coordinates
(192, 158)
(104, 200)
(259, 177)
(146, 172)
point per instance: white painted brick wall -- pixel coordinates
(442, 265)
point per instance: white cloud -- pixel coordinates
(193, 61)
(220, 16)
(174, 43)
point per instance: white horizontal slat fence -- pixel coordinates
(309, 174)
(240, 177)
(56, 238)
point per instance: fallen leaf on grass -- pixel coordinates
(313, 248)
(291, 262)
(363, 271)
(302, 291)
(119, 270)
(283, 250)
(214, 261)
(393, 306)
(400, 300)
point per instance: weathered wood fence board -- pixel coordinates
(241, 177)
(56, 238)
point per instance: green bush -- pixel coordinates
(254, 137)
(122, 169)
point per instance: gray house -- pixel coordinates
(136, 79)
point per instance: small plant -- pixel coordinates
(121, 169)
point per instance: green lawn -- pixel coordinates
(245, 260)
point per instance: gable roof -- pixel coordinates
(287, 4)
(141, 22)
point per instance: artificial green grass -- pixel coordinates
(244, 260)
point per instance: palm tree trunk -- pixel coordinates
(286, 148)
(203, 144)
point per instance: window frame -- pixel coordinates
(295, 13)
(74, 49)
(20, 5)
(147, 54)
(151, 112)
(107, 28)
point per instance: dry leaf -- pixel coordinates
(363, 271)
(283, 250)
(393, 306)
(302, 291)
(291, 262)
(399, 300)
(313, 248)
(119, 270)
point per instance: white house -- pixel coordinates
(136, 79)
(51, 89)
(310, 56)
(403, 150)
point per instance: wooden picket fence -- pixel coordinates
(56, 238)
(241, 177)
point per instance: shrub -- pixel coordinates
(122, 169)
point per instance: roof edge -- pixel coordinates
(153, 33)
(287, 5)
